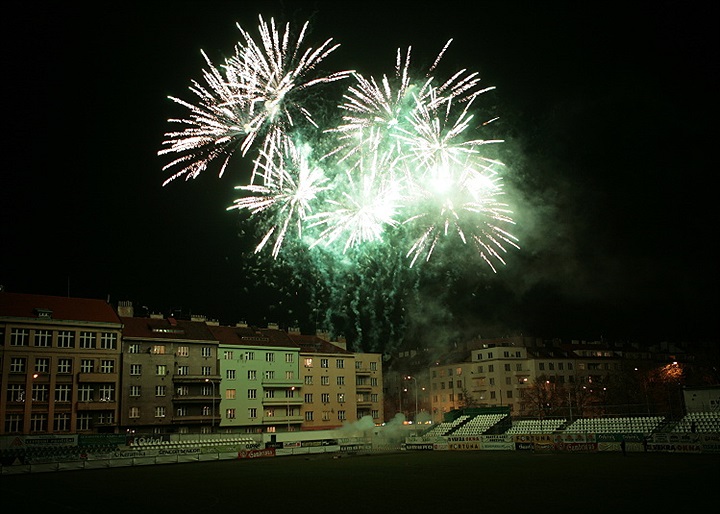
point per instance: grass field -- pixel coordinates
(447, 482)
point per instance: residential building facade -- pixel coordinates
(60, 364)
(170, 376)
(261, 387)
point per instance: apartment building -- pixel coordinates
(60, 365)
(261, 386)
(170, 375)
(339, 386)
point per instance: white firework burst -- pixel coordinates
(255, 92)
(289, 185)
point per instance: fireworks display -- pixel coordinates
(396, 163)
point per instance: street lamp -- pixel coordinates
(212, 420)
(416, 395)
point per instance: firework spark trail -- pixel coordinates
(256, 91)
(367, 205)
(289, 187)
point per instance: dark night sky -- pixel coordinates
(606, 111)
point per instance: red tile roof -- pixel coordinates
(315, 344)
(18, 305)
(166, 328)
(250, 336)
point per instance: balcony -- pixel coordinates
(196, 420)
(95, 405)
(195, 398)
(282, 420)
(195, 379)
(282, 401)
(277, 383)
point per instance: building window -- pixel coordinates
(84, 421)
(85, 393)
(15, 393)
(341, 381)
(134, 412)
(252, 413)
(38, 423)
(158, 349)
(182, 370)
(269, 375)
(325, 397)
(42, 365)
(66, 339)
(87, 340)
(324, 363)
(19, 337)
(134, 348)
(206, 371)
(135, 391)
(64, 365)
(308, 362)
(87, 366)
(107, 393)
(160, 412)
(341, 415)
(135, 369)
(249, 356)
(252, 394)
(230, 413)
(161, 370)
(108, 340)
(289, 375)
(228, 355)
(230, 374)
(61, 423)
(63, 393)
(230, 394)
(308, 380)
(107, 366)
(308, 398)
(43, 338)
(106, 418)
(507, 367)
(17, 365)
(183, 351)
(340, 363)
(269, 357)
(181, 411)
(183, 391)
(289, 357)
(325, 380)
(341, 397)
(160, 391)
(13, 423)
(270, 393)
(206, 351)
(373, 366)
(308, 415)
(40, 393)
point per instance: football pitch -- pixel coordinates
(403, 482)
